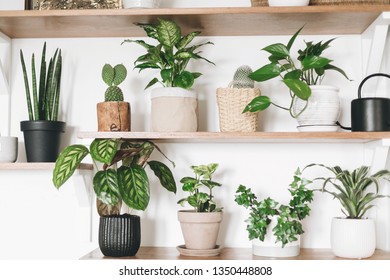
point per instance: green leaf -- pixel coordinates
(312, 62)
(168, 32)
(120, 68)
(184, 80)
(186, 40)
(164, 174)
(108, 74)
(278, 50)
(67, 162)
(196, 75)
(291, 41)
(139, 42)
(104, 150)
(188, 180)
(151, 83)
(105, 185)
(166, 74)
(259, 103)
(133, 186)
(295, 74)
(265, 73)
(332, 67)
(150, 29)
(299, 88)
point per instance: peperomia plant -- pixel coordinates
(170, 56)
(201, 201)
(297, 76)
(128, 183)
(289, 217)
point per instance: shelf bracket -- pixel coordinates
(5, 91)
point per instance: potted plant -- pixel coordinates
(200, 226)
(315, 106)
(174, 107)
(353, 236)
(113, 114)
(43, 130)
(119, 234)
(275, 228)
(141, 3)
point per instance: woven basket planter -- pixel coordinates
(258, 3)
(231, 102)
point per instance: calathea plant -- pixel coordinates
(298, 76)
(128, 183)
(289, 216)
(170, 55)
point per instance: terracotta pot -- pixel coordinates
(113, 116)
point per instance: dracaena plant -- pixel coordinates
(112, 184)
(197, 198)
(170, 56)
(356, 190)
(298, 75)
(289, 216)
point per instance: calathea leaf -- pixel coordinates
(168, 32)
(105, 185)
(67, 162)
(164, 174)
(104, 150)
(133, 186)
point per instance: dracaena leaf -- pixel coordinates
(169, 33)
(186, 40)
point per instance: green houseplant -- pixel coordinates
(356, 190)
(200, 226)
(302, 77)
(274, 223)
(112, 185)
(170, 57)
(114, 113)
(42, 131)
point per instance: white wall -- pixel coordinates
(266, 168)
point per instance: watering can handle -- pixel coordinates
(368, 77)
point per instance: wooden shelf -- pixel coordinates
(169, 253)
(37, 166)
(255, 137)
(211, 21)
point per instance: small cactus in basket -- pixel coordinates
(241, 78)
(113, 76)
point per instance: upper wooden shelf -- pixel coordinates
(211, 21)
(37, 166)
(255, 137)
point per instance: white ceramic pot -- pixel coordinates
(279, 3)
(174, 109)
(8, 149)
(353, 238)
(322, 111)
(12, 5)
(141, 4)
(269, 247)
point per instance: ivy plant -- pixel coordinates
(128, 183)
(170, 56)
(289, 217)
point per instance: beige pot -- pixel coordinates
(200, 230)
(113, 116)
(174, 110)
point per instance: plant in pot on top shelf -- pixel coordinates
(315, 106)
(275, 228)
(113, 114)
(42, 132)
(174, 107)
(353, 236)
(232, 101)
(119, 234)
(200, 226)
(141, 3)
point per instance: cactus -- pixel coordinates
(241, 79)
(113, 77)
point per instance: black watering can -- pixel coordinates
(370, 113)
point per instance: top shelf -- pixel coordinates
(250, 21)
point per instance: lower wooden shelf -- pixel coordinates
(170, 253)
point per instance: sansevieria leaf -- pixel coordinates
(105, 185)
(134, 186)
(103, 150)
(164, 174)
(67, 162)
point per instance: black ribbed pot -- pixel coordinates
(42, 139)
(119, 236)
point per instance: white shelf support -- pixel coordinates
(5, 91)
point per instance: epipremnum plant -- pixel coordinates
(170, 56)
(289, 217)
(352, 189)
(309, 70)
(201, 201)
(128, 183)
(44, 102)
(113, 76)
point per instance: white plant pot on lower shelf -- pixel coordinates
(141, 3)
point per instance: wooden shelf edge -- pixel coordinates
(37, 166)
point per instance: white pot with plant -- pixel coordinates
(276, 228)
(141, 3)
(174, 108)
(200, 226)
(353, 236)
(316, 107)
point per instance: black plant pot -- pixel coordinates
(42, 139)
(119, 236)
